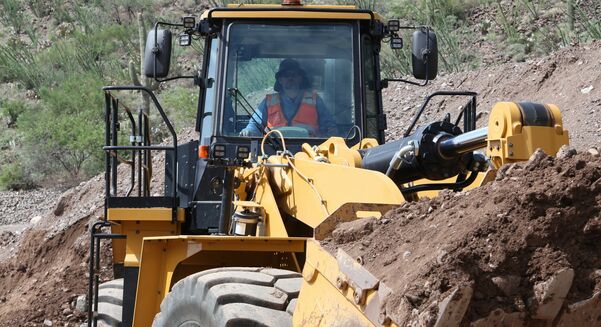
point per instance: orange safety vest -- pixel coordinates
(306, 114)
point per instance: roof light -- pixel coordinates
(291, 3)
(394, 25)
(189, 21)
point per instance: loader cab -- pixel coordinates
(335, 51)
(339, 60)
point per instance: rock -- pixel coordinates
(59, 209)
(441, 256)
(47, 322)
(583, 313)
(80, 303)
(507, 284)
(500, 318)
(35, 220)
(536, 158)
(550, 294)
(566, 151)
(594, 152)
(587, 89)
(452, 309)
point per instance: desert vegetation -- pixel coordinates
(56, 55)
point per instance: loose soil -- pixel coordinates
(536, 218)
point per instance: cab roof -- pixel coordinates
(270, 11)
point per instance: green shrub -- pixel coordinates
(18, 63)
(12, 14)
(38, 7)
(66, 134)
(61, 11)
(181, 105)
(12, 177)
(10, 110)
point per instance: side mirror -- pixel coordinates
(157, 54)
(424, 54)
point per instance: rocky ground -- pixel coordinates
(43, 262)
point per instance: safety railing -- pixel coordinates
(140, 147)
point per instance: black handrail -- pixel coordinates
(428, 98)
(111, 107)
(94, 267)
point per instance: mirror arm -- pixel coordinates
(424, 83)
(385, 81)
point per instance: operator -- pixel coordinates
(294, 104)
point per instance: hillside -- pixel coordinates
(44, 231)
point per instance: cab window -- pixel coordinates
(294, 78)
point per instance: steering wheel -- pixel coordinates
(300, 131)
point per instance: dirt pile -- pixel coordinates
(46, 270)
(512, 245)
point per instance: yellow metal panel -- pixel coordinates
(288, 14)
(274, 224)
(312, 182)
(136, 231)
(150, 282)
(254, 5)
(161, 256)
(145, 214)
(510, 141)
(322, 302)
(118, 244)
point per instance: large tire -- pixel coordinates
(110, 303)
(231, 297)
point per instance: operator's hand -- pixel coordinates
(245, 132)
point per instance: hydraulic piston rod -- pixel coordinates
(463, 143)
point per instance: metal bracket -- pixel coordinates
(361, 281)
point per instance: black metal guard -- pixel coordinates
(469, 122)
(457, 186)
(468, 113)
(140, 146)
(94, 273)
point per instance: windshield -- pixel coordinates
(294, 78)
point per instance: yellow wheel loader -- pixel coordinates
(291, 143)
